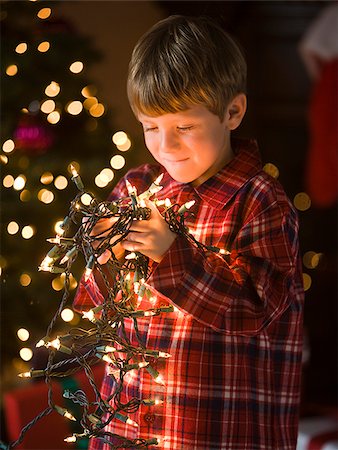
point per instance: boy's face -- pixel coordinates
(192, 145)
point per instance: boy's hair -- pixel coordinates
(184, 61)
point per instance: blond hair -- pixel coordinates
(184, 61)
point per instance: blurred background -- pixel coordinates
(63, 75)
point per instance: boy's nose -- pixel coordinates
(169, 142)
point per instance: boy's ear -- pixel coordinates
(235, 111)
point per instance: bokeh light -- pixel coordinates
(271, 169)
(89, 91)
(307, 281)
(302, 201)
(74, 108)
(25, 195)
(67, 315)
(44, 13)
(21, 48)
(97, 110)
(27, 231)
(19, 182)
(45, 196)
(8, 181)
(76, 67)
(12, 70)
(26, 354)
(46, 178)
(8, 146)
(12, 227)
(117, 162)
(44, 46)
(53, 89)
(25, 279)
(61, 182)
(86, 199)
(47, 106)
(54, 117)
(23, 334)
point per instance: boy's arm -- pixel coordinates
(246, 294)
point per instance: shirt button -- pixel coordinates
(150, 418)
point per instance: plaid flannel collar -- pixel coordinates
(220, 188)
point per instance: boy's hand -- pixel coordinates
(151, 237)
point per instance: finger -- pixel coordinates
(136, 237)
(104, 257)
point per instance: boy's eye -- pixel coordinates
(145, 129)
(185, 128)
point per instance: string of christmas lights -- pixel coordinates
(107, 339)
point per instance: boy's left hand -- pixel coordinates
(151, 237)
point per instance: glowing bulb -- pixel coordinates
(45, 196)
(89, 91)
(54, 117)
(159, 379)
(44, 13)
(61, 182)
(26, 354)
(97, 110)
(302, 201)
(23, 334)
(57, 227)
(117, 162)
(76, 67)
(67, 315)
(46, 178)
(131, 422)
(70, 439)
(107, 173)
(25, 280)
(74, 108)
(12, 70)
(19, 182)
(53, 89)
(47, 106)
(25, 195)
(8, 146)
(119, 138)
(21, 48)
(101, 181)
(44, 47)
(27, 232)
(90, 101)
(8, 181)
(12, 228)
(271, 169)
(86, 199)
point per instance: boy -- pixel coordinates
(235, 339)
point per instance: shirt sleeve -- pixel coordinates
(245, 293)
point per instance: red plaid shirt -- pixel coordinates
(235, 338)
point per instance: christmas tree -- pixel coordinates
(52, 117)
